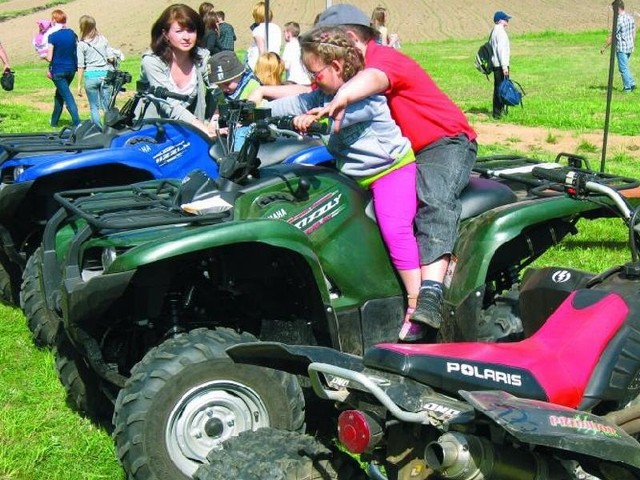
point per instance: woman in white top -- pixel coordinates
(176, 63)
(267, 37)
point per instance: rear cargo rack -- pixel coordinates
(517, 172)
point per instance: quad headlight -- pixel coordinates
(109, 255)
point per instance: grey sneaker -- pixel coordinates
(429, 308)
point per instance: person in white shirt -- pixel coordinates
(501, 55)
(267, 36)
(295, 71)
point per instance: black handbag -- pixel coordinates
(7, 80)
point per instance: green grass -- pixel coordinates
(40, 436)
(8, 15)
(565, 79)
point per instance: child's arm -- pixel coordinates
(272, 92)
(366, 83)
(294, 105)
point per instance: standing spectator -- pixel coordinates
(63, 64)
(379, 19)
(226, 33)
(444, 144)
(210, 41)
(94, 61)
(500, 60)
(4, 58)
(295, 71)
(175, 62)
(269, 69)
(379, 24)
(625, 43)
(267, 36)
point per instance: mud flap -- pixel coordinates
(555, 426)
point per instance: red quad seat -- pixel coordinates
(555, 364)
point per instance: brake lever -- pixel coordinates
(284, 132)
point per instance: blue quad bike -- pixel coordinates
(128, 149)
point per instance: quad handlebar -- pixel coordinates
(580, 185)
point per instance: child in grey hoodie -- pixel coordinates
(368, 147)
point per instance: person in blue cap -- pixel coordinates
(501, 55)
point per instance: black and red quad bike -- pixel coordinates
(560, 404)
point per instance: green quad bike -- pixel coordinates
(150, 296)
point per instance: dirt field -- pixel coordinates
(126, 23)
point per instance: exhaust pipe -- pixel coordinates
(456, 456)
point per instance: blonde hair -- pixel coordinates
(333, 43)
(269, 69)
(259, 13)
(88, 29)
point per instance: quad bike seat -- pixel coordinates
(479, 196)
(554, 365)
(483, 194)
(277, 151)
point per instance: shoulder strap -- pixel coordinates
(99, 52)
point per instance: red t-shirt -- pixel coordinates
(422, 111)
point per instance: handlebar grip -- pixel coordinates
(552, 174)
(316, 128)
(163, 92)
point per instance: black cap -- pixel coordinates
(224, 66)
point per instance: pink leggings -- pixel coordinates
(395, 202)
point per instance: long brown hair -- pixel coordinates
(88, 29)
(187, 18)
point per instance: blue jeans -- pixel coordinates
(444, 168)
(98, 96)
(623, 66)
(64, 96)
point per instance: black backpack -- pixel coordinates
(483, 58)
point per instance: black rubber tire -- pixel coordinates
(42, 322)
(7, 296)
(186, 397)
(81, 383)
(270, 454)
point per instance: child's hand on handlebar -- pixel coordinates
(302, 122)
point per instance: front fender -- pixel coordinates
(68, 162)
(189, 240)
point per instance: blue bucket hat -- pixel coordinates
(500, 15)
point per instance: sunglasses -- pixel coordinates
(314, 75)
